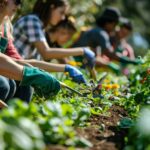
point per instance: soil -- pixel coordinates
(103, 132)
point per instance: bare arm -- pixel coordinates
(101, 62)
(63, 60)
(103, 40)
(50, 67)
(130, 51)
(10, 68)
(49, 53)
(22, 62)
(111, 54)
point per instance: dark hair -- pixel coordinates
(109, 15)
(126, 23)
(67, 23)
(42, 8)
(18, 2)
(3, 3)
(101, 22)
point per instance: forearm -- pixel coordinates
(49, 53)
(10, 69)
(61, 53)
(131, 55)
(22, 62)
(111, 54)
(50, 67)
(63, 60)
(101, 62)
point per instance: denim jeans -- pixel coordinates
(11, 89)
(23, 92)
(7, 88)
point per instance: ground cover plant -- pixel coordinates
(112, 113)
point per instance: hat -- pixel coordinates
(111, 13)
(124, 22)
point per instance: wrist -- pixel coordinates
(22, 74)
(81, 52)
(67, 68)
(84, 50)
(25, 68)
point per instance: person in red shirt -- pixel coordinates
(10, 88)
(29, 76)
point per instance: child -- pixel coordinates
(120, 38)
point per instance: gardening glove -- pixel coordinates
(119, 49)
(89, 58)
(138, 61)
(116, 68)
(76, 75)
(45, 85)
(127, 60)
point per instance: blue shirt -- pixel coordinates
(93, 38)
(96, 37)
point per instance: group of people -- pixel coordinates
(107, 40)
(26, 48)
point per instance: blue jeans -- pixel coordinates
(7, 88)
(11, 89)
(23, 92)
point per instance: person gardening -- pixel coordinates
(29, 36)
(120, 44)
(43, 83)
(10, 88)
(119, 38)
(97, 38)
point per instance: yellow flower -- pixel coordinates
(73, 63)
(66, 73)
(116, 93)
(115, 86)
(106, 81)
(79, 63)
(107, 86)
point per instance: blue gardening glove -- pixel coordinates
(45, 85)
(89, 56)
(75, 74)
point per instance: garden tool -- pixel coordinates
(3, 104)
(102, 78)
(93, 73)
(90, 67)
(96, 90)
(69, 88)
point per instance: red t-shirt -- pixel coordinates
(11, 50)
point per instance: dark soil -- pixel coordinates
(103, 132)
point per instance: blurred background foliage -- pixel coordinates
(85, 11)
